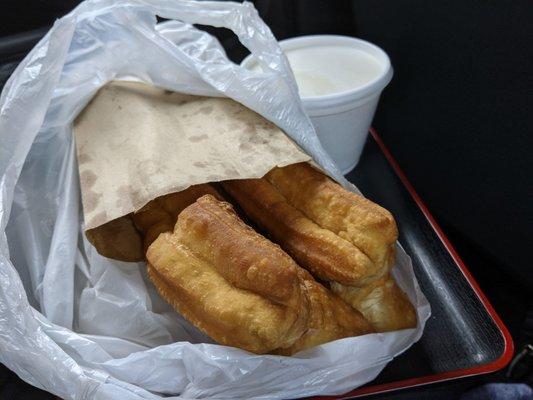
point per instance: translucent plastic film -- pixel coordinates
(84, 327)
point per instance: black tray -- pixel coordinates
(464, 335)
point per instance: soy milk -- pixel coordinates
(324, 70)
(340, 80)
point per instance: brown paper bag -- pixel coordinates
(136, 143)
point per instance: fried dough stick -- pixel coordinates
(339, 236)
(240, 288)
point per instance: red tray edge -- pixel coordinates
(492, 366)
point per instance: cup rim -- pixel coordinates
(374, 86)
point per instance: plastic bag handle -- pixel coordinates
(241, 18)
(244, 20)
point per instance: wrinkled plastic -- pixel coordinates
(85, 327)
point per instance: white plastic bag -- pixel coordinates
(101, 332)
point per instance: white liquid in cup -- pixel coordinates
(324, 70)
(339, 81)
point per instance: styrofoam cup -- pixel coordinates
(342, 119)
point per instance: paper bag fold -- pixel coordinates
(136, 142)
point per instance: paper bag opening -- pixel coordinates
(137, 143)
